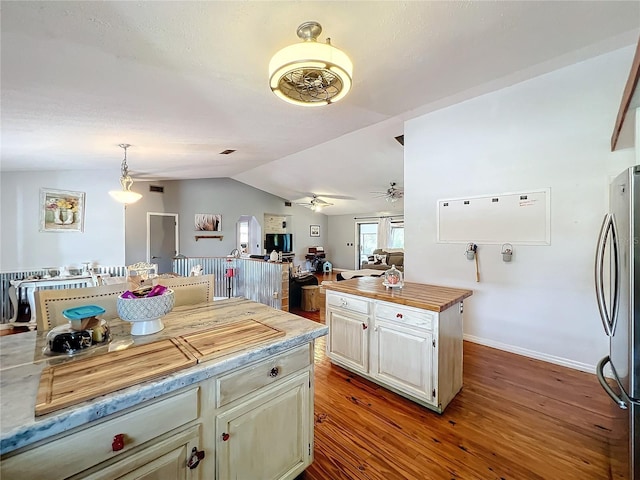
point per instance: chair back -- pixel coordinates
(189, 290)
(51, 303)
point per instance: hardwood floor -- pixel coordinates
(515, 418)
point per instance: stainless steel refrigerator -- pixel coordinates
(617, 276)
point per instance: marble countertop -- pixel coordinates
(428, 297)
(22, 361)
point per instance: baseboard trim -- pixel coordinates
(564, 362)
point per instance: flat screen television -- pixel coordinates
(280, 242)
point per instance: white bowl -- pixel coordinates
(145, 314)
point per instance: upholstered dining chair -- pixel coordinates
(51, 303)
(189, 290)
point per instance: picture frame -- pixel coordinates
(314, 230)
(61, 210)
(208, 222)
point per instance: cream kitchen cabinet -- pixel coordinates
(264, 426)
(150, 435)
(348, 320)
(413, 351)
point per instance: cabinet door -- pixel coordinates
(268, 436)
(161, 460)
(403, 358)
(348, 339)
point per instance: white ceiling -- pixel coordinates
(182, 81)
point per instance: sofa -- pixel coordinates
(382, 259)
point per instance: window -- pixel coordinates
(397, 235)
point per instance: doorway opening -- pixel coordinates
(162, 240)
(367, 241)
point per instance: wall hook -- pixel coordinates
(507, 252)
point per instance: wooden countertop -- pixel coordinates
(429, 297)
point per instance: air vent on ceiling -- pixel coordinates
(156, 188)
(287, 204)
(226, 152)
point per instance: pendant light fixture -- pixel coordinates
(125, 195)
(310, 73)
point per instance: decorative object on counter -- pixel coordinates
(507, 252)
(145, 313)
(273, 257)
(393, 278)
(196, 271)
(140, 273)
(310, 73)
(125, 195)
(83, 331)
(208, 222)
(61, 210)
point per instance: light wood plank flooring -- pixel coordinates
(515, 418)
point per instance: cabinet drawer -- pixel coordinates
(64, 456)
(237, 384)
(405, 315)
(348, 302)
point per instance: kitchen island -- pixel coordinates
(230, 406)
(406, 339)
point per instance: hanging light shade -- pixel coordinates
(310, 73)
(125, 195)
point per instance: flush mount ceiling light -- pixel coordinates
(125, 195)
(310, 73)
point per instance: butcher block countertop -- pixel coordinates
(427, 297)
(192, 328)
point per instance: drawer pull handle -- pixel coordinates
(118, 442)
(195, 458)
(398, 315)
(274, 372)
(344, 303)
(225, 437)
(364, 326)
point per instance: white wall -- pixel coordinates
(24, 247)
(552, 131)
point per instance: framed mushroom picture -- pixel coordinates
(61, 210)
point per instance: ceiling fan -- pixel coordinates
(392, 194)
(316, 204)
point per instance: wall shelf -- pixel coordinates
(219, 237)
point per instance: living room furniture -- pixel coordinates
(382, 259)
(36, 284)
(295, 288)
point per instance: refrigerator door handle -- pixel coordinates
(608, 317)
(600, 373)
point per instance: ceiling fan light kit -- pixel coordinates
(316, 204)
(309, 73)
(125, 195)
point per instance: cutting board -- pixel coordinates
(83, 379)
(224, 339)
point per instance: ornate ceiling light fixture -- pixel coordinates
(125, 195)
(310, 73)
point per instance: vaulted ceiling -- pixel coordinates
(183, 81)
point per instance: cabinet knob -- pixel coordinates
(225, 437)
(118, 442)
(194, 459)
(274, 372)
(398, 315)
(364, 326)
